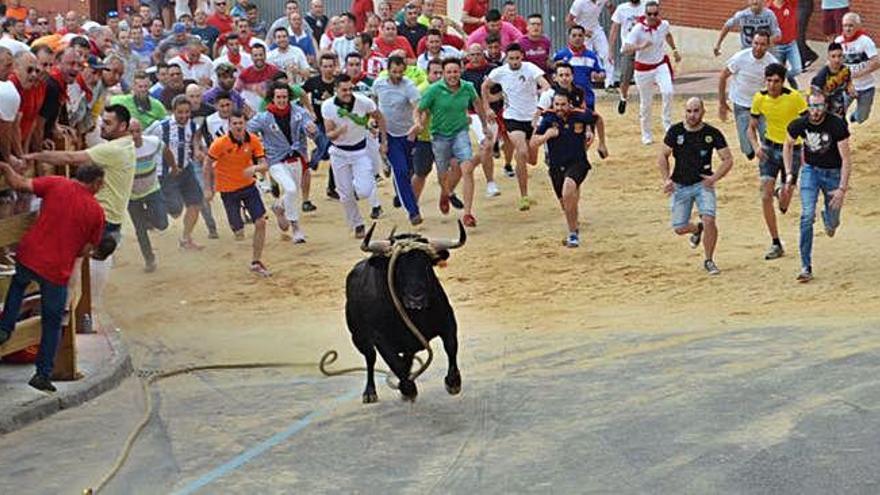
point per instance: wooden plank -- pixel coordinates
(26, 334)
(12, 228)
(84, 304)
(65, 358)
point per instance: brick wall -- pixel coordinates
(711, 14)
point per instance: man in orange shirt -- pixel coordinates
(233, 161)
(16, 11)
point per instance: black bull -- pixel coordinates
(374, 318)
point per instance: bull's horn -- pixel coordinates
(374, 246)
(449, 244)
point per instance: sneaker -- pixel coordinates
(189, 245)
(150, 266)
(396, 202)
(376, 212)
(621, 107)
(309, 206)
(212, 234)
(694, 240)
(415, 219)
(774, 252)
(43, 383)
(492, 190)
(360, 232)
(239, 236)
(332, 194)
(573, 240)
(805, 275)
(299, 237)
(646, 140)
(260, 269)
(4, 336)
(455, 202)
(711, 267)
(469, 220)
(524, 204)
(444, 204)
(508, 170)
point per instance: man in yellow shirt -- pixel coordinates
(778, 106)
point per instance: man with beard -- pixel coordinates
(64, 74)
(174, 87)
(139, 103)
(564, 83)
(826, 168)
(253, 81)
(588, 69)
(288, 58)
(225, 83)
(692, 180)
(233, 54)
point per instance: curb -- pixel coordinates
(107, 377)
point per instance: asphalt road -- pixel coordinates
(764, 410)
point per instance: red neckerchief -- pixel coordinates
(278, 112)
(55, 74)
(644, 22)
(81, 81)
(470, 66)
(855, 36)
(576, 52)
(185, 58)
(233, 57)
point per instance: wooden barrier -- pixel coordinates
(28, 331)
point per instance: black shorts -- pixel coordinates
(247, 198)
(519, 125)
(181, 190)
(576, 172)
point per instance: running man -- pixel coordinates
(398, 99)
(447, 102)
(520, 82)
(282, 128)
(826, 168)
(652, 65)
(692, 180)
(778, 106)
(234, 159)
(568, 133)
(346, 118)
(146, 206)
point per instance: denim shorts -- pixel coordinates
(683, 199)
(447, 148)
(772, 166)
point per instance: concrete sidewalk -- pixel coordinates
(102, 359)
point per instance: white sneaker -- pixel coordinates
(492, 190)
(299, 237)
(646, 140)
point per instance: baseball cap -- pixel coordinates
(112, 14)
(178, 28)
(96, 63)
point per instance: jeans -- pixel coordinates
(864, 101)
(400, 155)
(207, 213)
(815, 179)
(456, 147)
(52, 300)
(804, 11)
(789, 53)
(146, 213)
(742, 115)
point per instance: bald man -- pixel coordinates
(692, 179)
(860, 56)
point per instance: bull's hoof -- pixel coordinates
(370, 397)
(453, 384)
(408, 390)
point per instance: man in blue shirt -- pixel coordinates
(587, 67)
(568, 133)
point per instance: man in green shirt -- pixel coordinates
(139, 103)
(446, 102)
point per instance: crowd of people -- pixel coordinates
(167, 103)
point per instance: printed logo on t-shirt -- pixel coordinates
(817, 142)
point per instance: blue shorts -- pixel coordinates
(446, 148)
(246, 197)
(772, 166)
(683, 199)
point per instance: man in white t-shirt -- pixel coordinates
(652, 66)
(520, 83)
(290, 59)
(860, 56)
(194, 64)
(746, 68)
(435, 49)
(346, 121)
(586, 13)
(622, 21)
(10, 102)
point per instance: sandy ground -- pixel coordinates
(631, 272)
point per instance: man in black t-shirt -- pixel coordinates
(835, 81)
(320, 88)
(826, 168)
(692, 180)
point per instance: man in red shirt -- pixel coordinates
(360, 9)
(390, 41)
(785, 49)
(254, 80)
(509, 14)
(70, 222)
(26, 78)
(220, 19)
(474, 14)
(439, 23)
